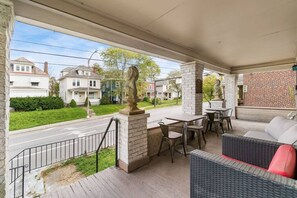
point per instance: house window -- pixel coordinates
(73, 83)
(27, 69)
(11, 83)
(117, 84)
(22, 68)
(17, 68)
(92, 83)
(78, 82)
(35, 84)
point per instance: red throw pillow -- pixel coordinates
(284, 161)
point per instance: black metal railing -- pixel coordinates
(18, 186)
(44, 155)
(115, 141)
(48, 154)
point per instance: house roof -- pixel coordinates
(73, 73)
(67, 69)
(22, 60)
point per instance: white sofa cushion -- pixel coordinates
(278, 125)
(260, 135)
(290, 136)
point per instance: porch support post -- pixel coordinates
(231, 91)
(6, 28)
(133, 141)
(192, 79)
(72, 97)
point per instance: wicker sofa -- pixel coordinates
(279, 129)
(215, 176)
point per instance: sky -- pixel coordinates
(32, 38)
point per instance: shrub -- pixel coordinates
(86, 104)
(105, 100)
(158, 101)
(36, 103)
(146, 99)
(73, 104)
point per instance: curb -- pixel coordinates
(16, 132)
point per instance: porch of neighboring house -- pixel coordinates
(159, 178)
(80, 95)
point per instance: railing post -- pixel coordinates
(116, 141)
(23, 181)
(97, 166)
(73, 147)
(29, 160)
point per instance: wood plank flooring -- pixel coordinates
(160, 178)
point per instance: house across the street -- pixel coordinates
(111, 90)
(163, 90)
(27, 80)
(74, 84)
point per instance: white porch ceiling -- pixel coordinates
(231, 34)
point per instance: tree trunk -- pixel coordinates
(177, 98)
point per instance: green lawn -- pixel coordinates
(87, 164)
(23, 120)
(107, 109)
(113, 108)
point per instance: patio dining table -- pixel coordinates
(185, 118)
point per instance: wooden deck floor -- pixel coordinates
(160, 178)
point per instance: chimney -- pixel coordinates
(46, 67)
(94, 70)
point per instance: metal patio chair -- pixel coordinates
(171, 137)
(199, 130)
(227, 117)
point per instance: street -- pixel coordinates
(18, 142)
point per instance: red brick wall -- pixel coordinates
(269, 89)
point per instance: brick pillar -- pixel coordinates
(231, 91)
(6, 27)
(192, 77)
(133, 141)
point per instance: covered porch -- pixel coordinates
(159, 178)
(80, 94)
(230, 37)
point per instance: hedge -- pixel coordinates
(73, 104)
(36, 103)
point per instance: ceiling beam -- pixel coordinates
(271, 66)
(70, 19)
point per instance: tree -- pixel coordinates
(54, 87)
(117, 62)
(208, 87)
(175, 84)
(98, 69)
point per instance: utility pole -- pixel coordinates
(88, 85)
(155, 93)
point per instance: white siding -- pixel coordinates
(67, 83)
(22, 87)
